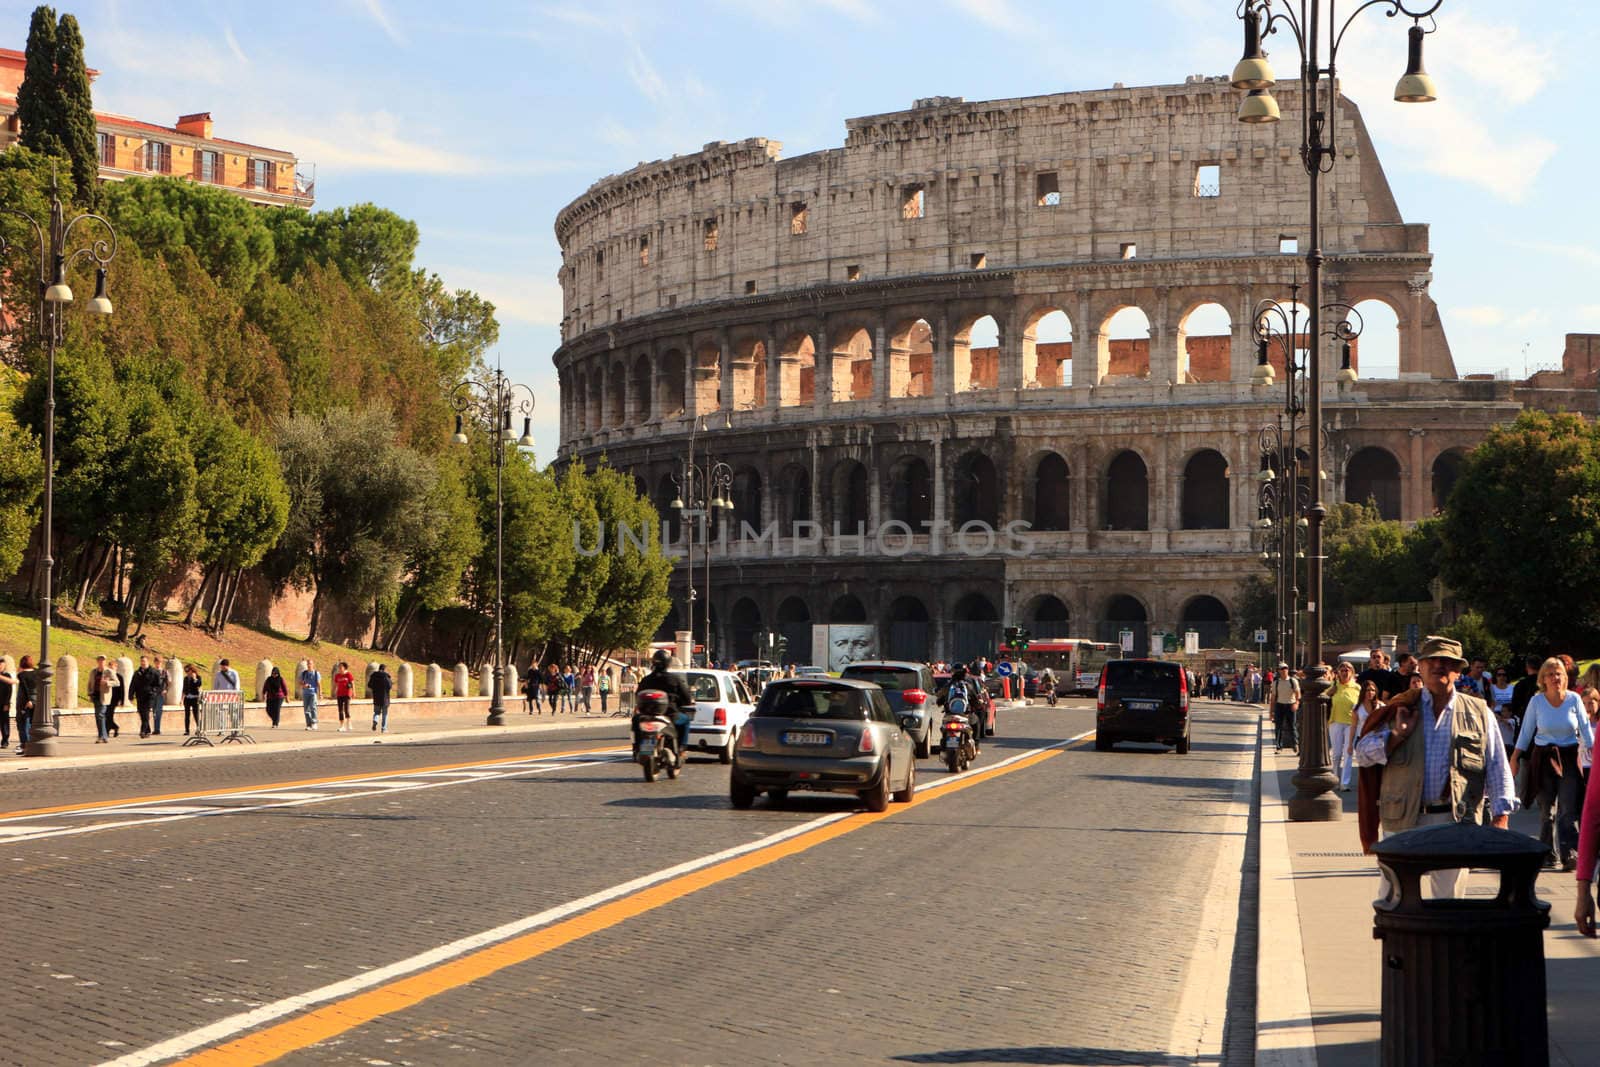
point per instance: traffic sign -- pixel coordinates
(1004, 668)
(1191, 642)
(1127, 640)
(1261, 637)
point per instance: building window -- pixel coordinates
(1130, 250)
(852, 273)
(913, 202)
(797, 219)
(108, 149)
(749, 288)
(1208, 180)
(979, 260)
(260, 174)
(644, 251)
(1288, 244)
(156, 158)
(208, 167)
(1047, 189)
(711, 235)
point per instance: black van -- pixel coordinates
(1142, 700)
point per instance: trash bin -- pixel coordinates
(1463, 980)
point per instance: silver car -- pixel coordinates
(828, 735)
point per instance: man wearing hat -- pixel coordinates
(1432, 755)
(1285, 701)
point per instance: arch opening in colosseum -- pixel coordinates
(911, 493)
(1127, 492)
(1205, 491)
(666, 493)
(976, 491)
(1052, 494)
(707, 377)
(911, 359)
(640, 382)
(1373, 475)
(1205, 343)
(1376, 354)
(851, 505)
(1208, 617)
(975, 626)
(672, 383)
(746, 493)
(749, 374)
(852, 363)
(1126, 612)
(617, 382)
(797, 371)
(744, 625)
(907, 631)
(1047, 348)
(847, 608)
(977, 342)
(1446, 472)
(1125, 344)
(794, 625)
(1049, 617)
(793, 498)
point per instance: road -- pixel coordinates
(531, 900)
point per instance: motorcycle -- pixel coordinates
(655, 736)
(957, 743)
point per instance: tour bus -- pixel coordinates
(1075, 661)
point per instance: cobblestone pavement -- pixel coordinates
(1045, 916)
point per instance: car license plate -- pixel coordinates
(802, 737)
(1144, 705)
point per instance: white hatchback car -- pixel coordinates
(722, 705)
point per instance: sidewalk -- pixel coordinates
(1318, 969)
(81, 750)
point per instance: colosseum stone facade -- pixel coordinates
(916, 329)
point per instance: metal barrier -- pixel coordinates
(221, 713)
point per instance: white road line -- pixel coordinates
(233, 1025)
(7, 831)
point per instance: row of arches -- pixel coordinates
(906, 358)
(909, 629)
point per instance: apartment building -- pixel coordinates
(131, 148)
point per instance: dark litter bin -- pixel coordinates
(1463, 980)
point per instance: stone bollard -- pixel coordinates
(486, 679)
(65, 695)
(435, 681)
(463, 682)
(402, 682)
(174, 682)
(263, 672)
(125, 672)
(294, 685)
(372, 668)
(510, 687)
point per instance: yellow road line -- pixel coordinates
(330, 1020)
(163, 797)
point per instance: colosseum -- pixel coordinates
(1032, 311)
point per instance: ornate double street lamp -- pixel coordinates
(492, 401)
(56, 257)
(1318, 46)
(702, 492)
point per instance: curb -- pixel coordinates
(1285, 1035)
(22, 765)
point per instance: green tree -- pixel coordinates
(591, 565)
(540, 557)
(1478, 641)
(633, 600)
(243, 508)
(155, 504)
(166, 217)
(76, 130)
(1519, 535)
(439, 558)
(38, 97)
(21, 478)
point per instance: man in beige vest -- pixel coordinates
(1442, 756)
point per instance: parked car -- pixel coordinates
(909, 687)
(834, 735)
(1142, 700)
(808, 671)
(722, 705)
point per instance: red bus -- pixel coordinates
(1075, 661)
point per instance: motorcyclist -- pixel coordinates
(1047, 684)
(961, 682)
(662, 663)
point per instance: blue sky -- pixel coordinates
(480, 121)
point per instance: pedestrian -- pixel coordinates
(310, 684)
(1525, 687)
(101, 685)
(569, 689)
(1474, 681)
(275, 690)
(552, 687)
(1285, 702)
(225, 677)
(1588, 851)
(1341, 717)
(1433, 757)
(379, 686)
(8, 686)
(191, 698)
(1554, 727)
(27, 686)
(158, 695)
(585, 687)
(606, 682)
(530, 687)
(344, 686)
(1591, 707)
(143, 689)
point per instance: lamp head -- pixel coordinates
(677, 503)
(460, 436)
(1258, 107)
(100, 303)
(526, 440)
(1347, 374)
(1266, 475)
(1415, 85)
(1253, 71)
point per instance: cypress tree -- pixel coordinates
(38, 102)
(77, 127)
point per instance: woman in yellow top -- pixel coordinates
(1341, 718)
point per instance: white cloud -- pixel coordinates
(645, 77)
(233, 45)
(1480, 315)
(379, 14)
(996, 14)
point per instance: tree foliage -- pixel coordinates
(632, 600)
(54, 109)
(1520, 541)
(38, 103)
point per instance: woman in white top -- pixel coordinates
(1553, 728)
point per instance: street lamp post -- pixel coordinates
(699, 495)
(1319, 126)
(55, 258)
(492, 401)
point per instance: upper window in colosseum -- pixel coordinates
(852, 272)
(913, 202)
(1208, 180)
(1130, 250)
(1047, 189)
(599, 265)
(644, 251)
(797, 218)
(1288, 244)
(711, 235)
